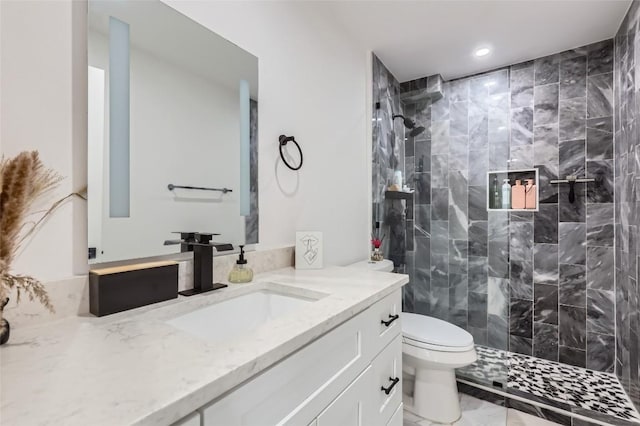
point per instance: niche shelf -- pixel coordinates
(512, 175)
(399, 195)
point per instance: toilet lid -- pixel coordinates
(434, 331)
(384, 265)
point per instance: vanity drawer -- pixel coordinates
(353, 407)
(387, 318)
(387, 371)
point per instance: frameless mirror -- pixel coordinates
(172, 132)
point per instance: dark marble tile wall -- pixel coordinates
(534, 283)
(387, 157)
(252, 228)
(627, 202)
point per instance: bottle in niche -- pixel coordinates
(530, 195)
(518, 195)
(494, 202)
(506, 194)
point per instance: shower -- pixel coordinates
(410, 124)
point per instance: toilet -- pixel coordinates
(431, 351)
(383, 266)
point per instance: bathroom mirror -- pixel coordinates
(172, 132)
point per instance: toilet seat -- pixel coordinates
(423, 345)
(426, 332)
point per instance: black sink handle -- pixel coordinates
(392, 318)
(394, 382)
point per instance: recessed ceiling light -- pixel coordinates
(483, 51)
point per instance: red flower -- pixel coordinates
(376, 242)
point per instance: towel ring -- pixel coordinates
(283, 141)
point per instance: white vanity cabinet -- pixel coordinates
(396, 419)
(336, 380)
(191, 420)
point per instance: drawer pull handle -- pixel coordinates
(394, 382)
(392, 318)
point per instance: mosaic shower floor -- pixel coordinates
(577, 390)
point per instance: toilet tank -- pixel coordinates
(384, 265)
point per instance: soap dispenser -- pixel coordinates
(241, 273)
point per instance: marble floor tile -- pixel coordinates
(475, 412)
(518, 418)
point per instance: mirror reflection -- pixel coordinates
(172, 138)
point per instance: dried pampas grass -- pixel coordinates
(23, 179)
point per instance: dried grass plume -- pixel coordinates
(23, 179)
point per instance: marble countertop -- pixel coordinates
(133, 368)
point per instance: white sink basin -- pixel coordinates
(239, 315)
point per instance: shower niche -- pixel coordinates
(513, 190)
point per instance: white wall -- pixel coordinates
(186, 131)
(43, 81)
(313, 84)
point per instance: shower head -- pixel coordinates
(416, 131)
(410, 124)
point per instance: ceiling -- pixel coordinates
(419, 38)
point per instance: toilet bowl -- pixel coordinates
(431, 351)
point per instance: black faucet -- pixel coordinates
(200, 244)
(187, 239)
